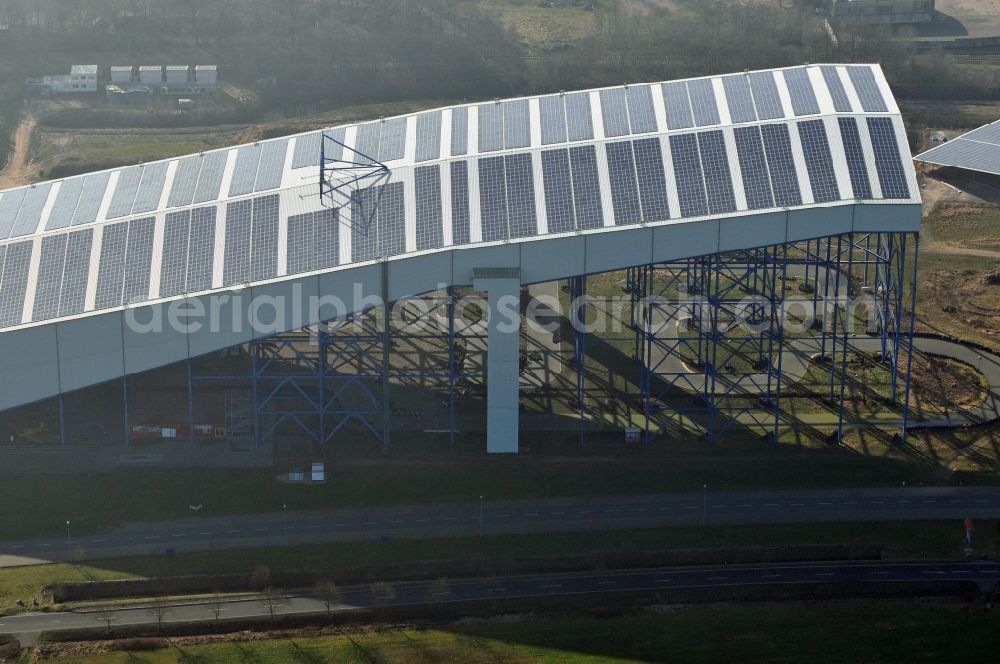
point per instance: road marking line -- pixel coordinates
(665, 509)
(930, 501)
(877, 502)
(961, 571)
(691, 507)
(927, 571)
(771, 576)
(744, 505)
(610, 511)
(557, 513)
(232, 532)
(850, 502)
(664, 580)
(607, 583)
(716, 578)
(797, 504)
(205, 533)
(824, 573)
(719, 507)
(531, 514)
(639, 509)
(826, 503)
(552, 585)
(315, 525)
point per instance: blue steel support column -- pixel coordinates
(503, 288)
(190, 401)
(578, 290)
(450, 295)
(909, 331)
(125, 408)
(848, 324)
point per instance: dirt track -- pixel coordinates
(18, 170)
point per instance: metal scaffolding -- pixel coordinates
(714, 333)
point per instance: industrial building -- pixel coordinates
(883, 11)
(974, 156)
(240, 295)
(82, 78)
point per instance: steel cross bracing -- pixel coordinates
(702, 372)
(353, 180)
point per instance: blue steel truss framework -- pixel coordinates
(702, 371)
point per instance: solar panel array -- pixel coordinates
(978, 150)
(495, 171)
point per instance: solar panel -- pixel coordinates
(641, 115)
(715, 167)
(366, 142)
(687, 173)
(392, 220)
(430, 219)
(139, 260)
(213, 166)
(173, 263)
(201, 249)
(307, 149)
(111, 270)
(10, 203)
(147, 198)
(558, 191)
(819, 161)
(753, 166)
(94, 188)
(49, 279)
(312, 241)
(239, 224)
(125, 190)
(552, 110)
(493, 199)
(888, 161)
(392, 144)
(333, 144)
(652, 182)
(867, 88)
(855, 158)
(586, 187)
(490, 127)
(678, 106)
(301, 244)
(30, 214)
(516, 128)
(765, 95)
(272, 165)
(185, 180)
(264, 254)
(460, 203)
(781, 164)
(76, 271)
(61, 215)
(579, 119)
(521, 195)
(459, 131)
(428, 136)
(841, 102)
(706, 110)
(801, 91)
(624, 189)
(15, 283)
(245, 172)
(739, 98)
(615, 111)
(386, 235)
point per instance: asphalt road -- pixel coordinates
(985, 574)
(204, 533)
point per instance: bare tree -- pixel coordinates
(107, 617)
(272, 601)
(159, 610)
(329, 594)
(215, 607)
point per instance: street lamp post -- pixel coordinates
(481, 510)
(69, 544)
(284, 512)
(902, 492)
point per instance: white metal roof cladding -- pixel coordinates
(978, 150)
(519, 169)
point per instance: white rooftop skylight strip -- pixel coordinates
(735, 174)
(659, 110)
(784, 95)
(219, 246)
(27, 307)
(801, 170)
(109, 193)
(90, 299)
(541, 214)
(852, 94)
(721, 102)
(43, 219)
(822, 92)
(597, 115)
(604, 180)
(866, 147)
(409, 206)
(156, 261)
(447, 233)
(673, 198)
(475, 211)
(839, 155)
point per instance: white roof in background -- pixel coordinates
(150, 67)
(978, 150)
(177, 67)
(515, 170)
(206, 67)
(83, 70)
(121, 67)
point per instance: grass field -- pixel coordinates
(937, 540)
(801, 632)
(970, 225)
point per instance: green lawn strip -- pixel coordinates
(796, 632)
(906, 540)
